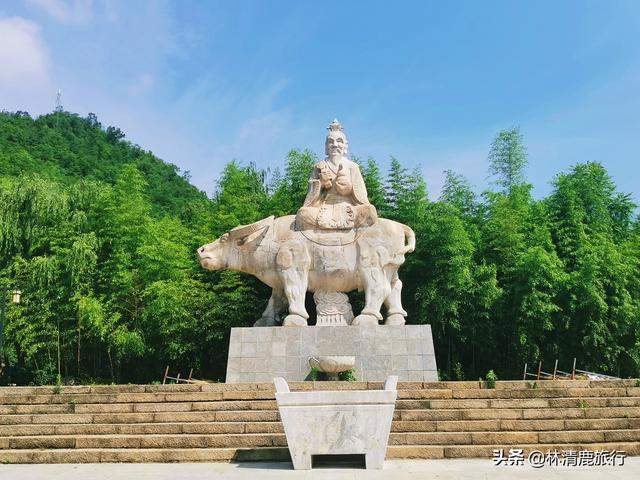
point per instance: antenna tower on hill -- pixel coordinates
(59, 101)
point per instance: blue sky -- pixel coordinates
(430, 82)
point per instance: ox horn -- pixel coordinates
(246, 230)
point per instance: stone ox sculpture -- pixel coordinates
(336, 243)
(291, 264)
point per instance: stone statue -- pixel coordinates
(335, 244)
(337, 197)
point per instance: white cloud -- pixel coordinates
(24, 59)
(141, 84)
(72, 12)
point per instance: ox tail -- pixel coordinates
(409, 238)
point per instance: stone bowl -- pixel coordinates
(333, 363)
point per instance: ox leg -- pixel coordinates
(376, 289)
(293, 267)
(395, 313)
(280, 307)
(295, 291)
(272, 314)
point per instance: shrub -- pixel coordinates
(491, 379)
(348, 376)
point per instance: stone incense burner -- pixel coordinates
(333, 365)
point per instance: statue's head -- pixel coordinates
(336, 144)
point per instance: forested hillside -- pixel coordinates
(65, 147)
(100, 236)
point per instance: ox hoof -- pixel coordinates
(395, 319)
(364, 319)
(293, 320)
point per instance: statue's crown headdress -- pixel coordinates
(335, 126)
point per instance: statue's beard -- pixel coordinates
(336, 155)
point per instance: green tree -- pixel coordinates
(591, 226)
(290, 190)
(375, 185)
(508, 158)
(101, 235)
(240, 197)
(406, 195)
(457, 192)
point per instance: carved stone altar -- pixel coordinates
(355, 422)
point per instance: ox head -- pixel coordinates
(215, 255)
(226, 252)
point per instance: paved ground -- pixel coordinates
(467, 469)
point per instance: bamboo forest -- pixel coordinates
(100, 235)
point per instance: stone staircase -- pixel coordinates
(239, 422)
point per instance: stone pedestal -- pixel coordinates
(347, 422)
(259, 354)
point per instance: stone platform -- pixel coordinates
(258, 354)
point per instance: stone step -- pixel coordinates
(583, 402)
(511, 438)
(160, 417)
(138, 407)
(530, 385)
(151, 455)
(486, 451)
(471, 395)
(247, 440)
(514, 425)
(72, 406)
(476, 393)
(542, 392)
(397, 426)
(147, 455)
(140, 428)
(460, 396)
(518, 414)
(271, 415)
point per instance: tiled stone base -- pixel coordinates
(257, 354)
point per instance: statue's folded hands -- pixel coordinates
(343, 184)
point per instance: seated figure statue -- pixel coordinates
(337, 196)
(323, 250)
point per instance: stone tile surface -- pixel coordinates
(258, 353)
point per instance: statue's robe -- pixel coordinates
(336, 199)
